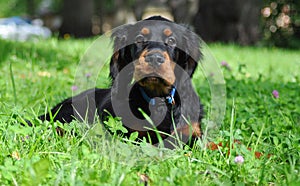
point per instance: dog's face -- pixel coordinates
(155, 47)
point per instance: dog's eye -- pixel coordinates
(139, 39)
(171, 41)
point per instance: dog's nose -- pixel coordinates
(155, 58)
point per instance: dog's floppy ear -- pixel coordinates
(121, 57)
(192, 50)
(120, 41)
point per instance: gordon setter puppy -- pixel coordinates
(151, 70)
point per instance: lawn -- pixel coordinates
(36, 76)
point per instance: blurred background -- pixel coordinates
(245, 22)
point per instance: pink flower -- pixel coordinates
(74, 88)
(88, 75)
(24, 139)
(239, 159)
(275, 94)
(225, 64)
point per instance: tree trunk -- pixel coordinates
(30, 7)
(77, 18)
(228, 21)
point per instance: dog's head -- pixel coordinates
(154, 47)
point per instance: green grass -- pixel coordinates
(44, 72)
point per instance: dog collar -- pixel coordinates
(151, 101)
(170, 98)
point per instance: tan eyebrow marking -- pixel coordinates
(145, 31)
(167, 32)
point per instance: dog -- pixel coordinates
(150, 69)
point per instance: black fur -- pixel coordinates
(91, 103)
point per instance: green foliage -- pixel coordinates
(38, 156)
(27, 8)
(114, 125)
(12, 8)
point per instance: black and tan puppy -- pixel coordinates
(151, 70)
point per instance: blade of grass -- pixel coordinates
(160, 140)
(259, 136)
(232, 119)
(13, 83)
